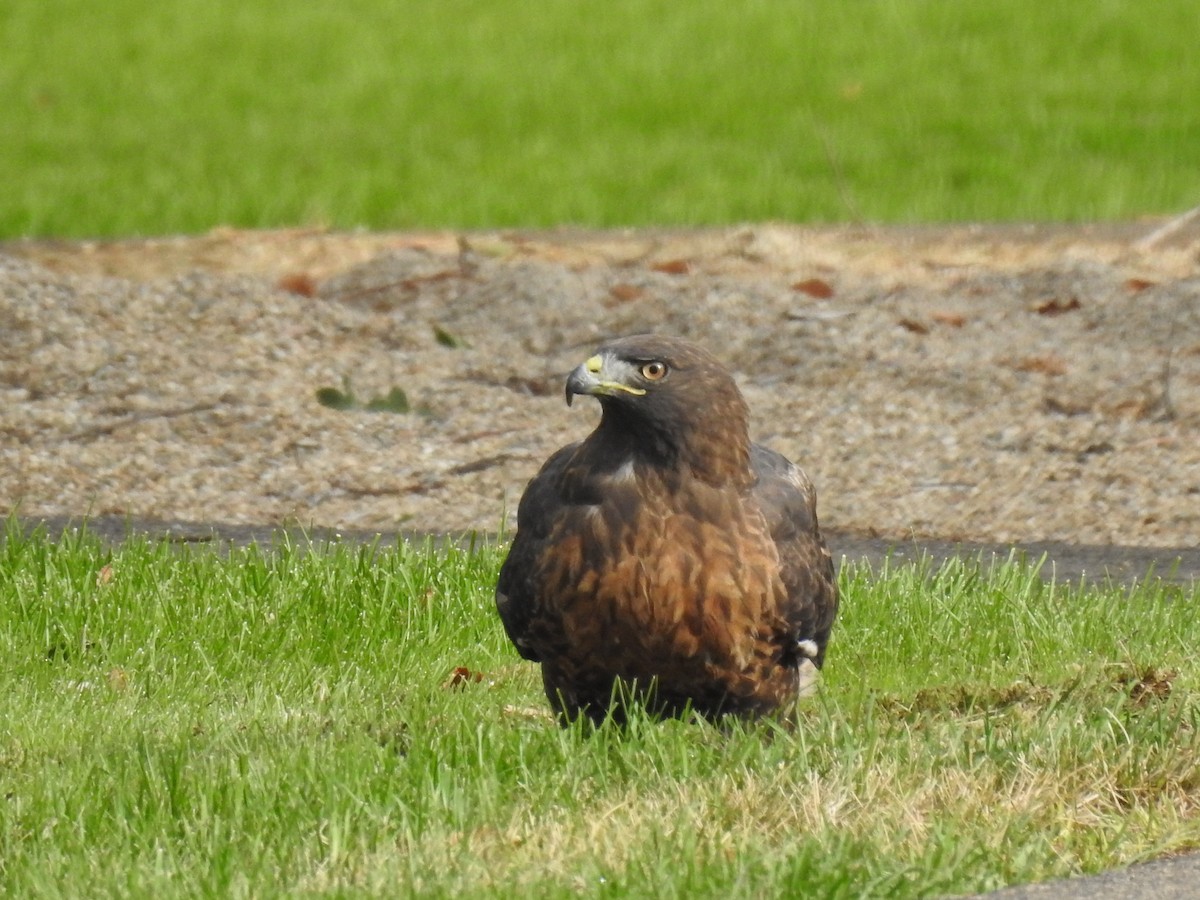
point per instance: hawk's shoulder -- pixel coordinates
(537, 513)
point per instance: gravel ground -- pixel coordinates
(975, 384)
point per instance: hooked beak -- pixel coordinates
(597, 378)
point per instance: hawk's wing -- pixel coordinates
(789, 503)
(516, 590)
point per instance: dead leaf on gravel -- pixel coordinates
(1136, 408)
(1046, 364)
(298, 283)
(1137, 285)
(1056, 307)
(673, 267)
(814, 287)
(914, 326)
(625, 293)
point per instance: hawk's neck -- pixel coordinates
(716, 456)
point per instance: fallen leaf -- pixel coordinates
(624, 293)
(914, 326)
(298, 283)
(954, 320)
(1136, 408)
(104, 576)
(461, 676)
(1056, 307)
(814, 287)
(1047, 364)
(1135, 285)
(673, 267)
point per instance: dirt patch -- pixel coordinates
(985, 384)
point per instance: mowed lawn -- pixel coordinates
(127, 118)
(350, 721)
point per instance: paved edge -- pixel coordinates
(1055, 560)
(1170, 878)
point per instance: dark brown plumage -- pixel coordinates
(667, 557)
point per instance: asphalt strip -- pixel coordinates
(1062, 562)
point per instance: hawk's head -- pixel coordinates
(671, 400)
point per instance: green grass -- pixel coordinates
(189, 723)
(138, 118)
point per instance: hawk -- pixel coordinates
(666, 559)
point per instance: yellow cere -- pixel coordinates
(594, 364)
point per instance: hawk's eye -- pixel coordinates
(654, 371)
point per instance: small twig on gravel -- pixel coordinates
(109, 427)
(817, 315)
(1167, 230)
(412, 284)
(418, 486)
(478, 465)
(387, 490)
(474, 436)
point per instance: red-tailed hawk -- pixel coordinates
(666, 557)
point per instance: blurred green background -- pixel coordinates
(132, 117)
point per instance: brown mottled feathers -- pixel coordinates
(666, 556)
